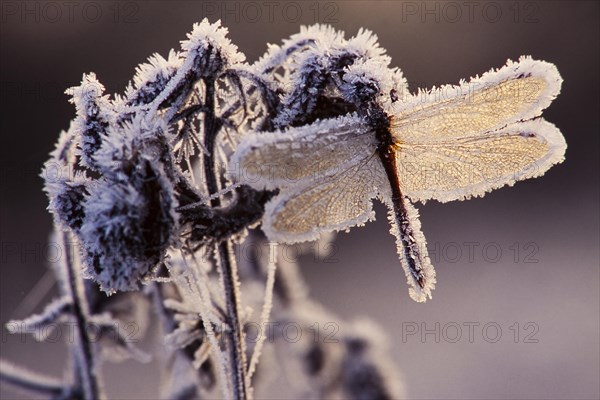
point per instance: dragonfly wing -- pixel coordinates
(300, 155)
(333, 203)
(456, 142)
(518, 91)
(472, 166)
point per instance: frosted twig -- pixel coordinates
(203, 147)
(36, 323)
(87, 367)
(208, 327)
(227, 265)
(266, 310)
(234, 335)
(27, 380)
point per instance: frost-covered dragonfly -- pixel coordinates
(450, 143)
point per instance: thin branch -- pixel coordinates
(186, 113)
(30, 381)
(36, 323)
(277, 59)
(269, 95)
(236, 82)
(234, 336)
(227, 265)
(229, 112)
(266, 310)
(87, 368)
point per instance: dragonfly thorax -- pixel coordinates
(380, 123)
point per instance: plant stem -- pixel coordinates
(228, 268)
(30, 381)
(87, 368)
(234, 337)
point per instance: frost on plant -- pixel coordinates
(177, 192)
(451, 143)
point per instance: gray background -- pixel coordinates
(552, 282)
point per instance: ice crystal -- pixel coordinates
(205, 157)
(446, 144)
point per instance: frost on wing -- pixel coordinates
(472, 166)
(296, 156)
(332, 203)
(461, 141)
(516, 92)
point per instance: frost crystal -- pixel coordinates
(94, 116)
(127, 229)
(446, 144)
(163, 185)
(151, 78)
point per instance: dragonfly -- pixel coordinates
(450, 143)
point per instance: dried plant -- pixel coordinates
(161, 192)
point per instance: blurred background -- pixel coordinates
(516, 310)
